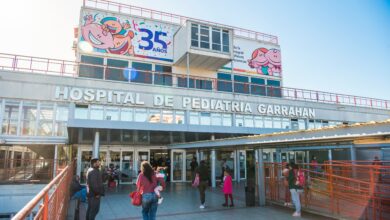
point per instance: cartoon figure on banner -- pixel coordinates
(274, 58)
(266, 61)
(109, 34)
(121, 34)
(96, 34)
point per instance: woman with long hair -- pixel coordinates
(146, 183)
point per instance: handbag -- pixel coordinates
(196, 181)
(136, 198)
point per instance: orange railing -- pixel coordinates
(29, 170)
(173, 18)
(52, 200)
(330, 193)
(77, 69)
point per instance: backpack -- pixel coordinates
(300, 178)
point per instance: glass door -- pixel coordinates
(190, 174)
(242, 164)
(86, 157)
(142, 155)
(177, 165)
(128, 174)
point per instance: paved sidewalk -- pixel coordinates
(182, 202)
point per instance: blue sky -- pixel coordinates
(340, 46)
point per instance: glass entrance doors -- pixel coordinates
(242, 163)
(128, 174)
(142, 155)
(178, 164)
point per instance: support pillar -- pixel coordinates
(55, 160)
(330, 155)
(238, 175)
(188, 70)
(260, 176)
(353, 159)
(95, 149)
(213, 177)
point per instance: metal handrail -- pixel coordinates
(60, 182)
(71, 69)
(173, 18)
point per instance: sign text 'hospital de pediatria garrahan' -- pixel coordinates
(101, 96)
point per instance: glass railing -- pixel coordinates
(76, 69)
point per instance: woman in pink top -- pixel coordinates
(146, 183)
(227, 188)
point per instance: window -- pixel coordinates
(117, 70)
(127, 136)
(61, 121)
(216, 119)
(179, 117)
(286, 123)
(195, 83)
(241, 84)
(96, 112)
(142, 137)
(194, 118)
(311, 124)
(204, 37)
(195, 35)
(239, 120)
(91, 67)
(205, 118)
(277, 122)
(225, 41)
(46, 114)
(259, 122)
(227, 120)
(224, 82)
(81, 112)
(163, 75)
(216, 39)
(137, 75)
(167, 116)
(29, 117)
(273, 88)
(140, 115)
(267, 122)
(258, 86)
(154, 115)
(112, 113)
(126, 114)
(10, 118)
(248, 121)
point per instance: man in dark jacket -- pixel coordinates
(204, 177)
(95, 189)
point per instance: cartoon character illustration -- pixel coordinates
(122, 44)
(113, 25)
(274, 59)
(259, 61)
(96, 34)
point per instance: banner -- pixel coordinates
(256, 58)
(127, 36)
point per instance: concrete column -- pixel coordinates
(353, 159)
(330, 155)
(278, 156)
(95, 149)
(307, 156)
(55, 160)
(78, 170)
(12, 160)
(198, 156)
(213, 177)
(188, 70)
(260, 176)
(238, 175)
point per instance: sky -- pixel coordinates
(340, 46)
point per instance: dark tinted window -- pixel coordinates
(137, 75)
(117, 70)
(224, 82)
(258, 86)
(241, 84)
(91, 67)
(273, 88)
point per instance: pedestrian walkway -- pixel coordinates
(181, 201)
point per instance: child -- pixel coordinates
(158, 189)
(227, 188)
(287, 195)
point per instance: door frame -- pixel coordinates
(183, 170)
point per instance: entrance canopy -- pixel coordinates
(359, 133)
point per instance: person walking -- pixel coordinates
(146, 183)
(193, 165)
(204, 177)
(287, 194)
(295, 184)
(95, 189)
(228, 189)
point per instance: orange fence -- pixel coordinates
(331, 191)
(29, 170)
(52, 201)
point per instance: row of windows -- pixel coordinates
(120, 70)
(33, 118)
(98, 112)
(200, 37)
